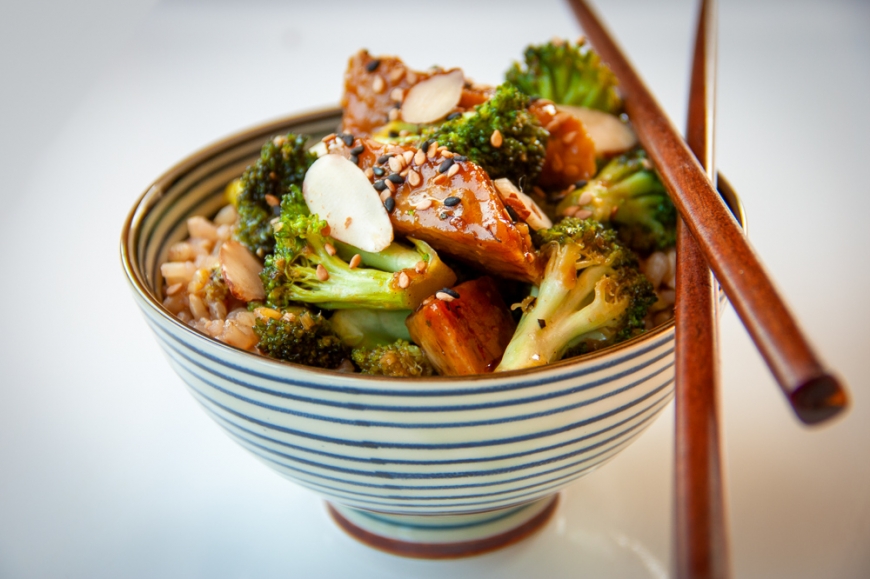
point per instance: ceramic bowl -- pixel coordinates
(431, 467)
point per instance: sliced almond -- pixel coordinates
(610, 135)
(340, 193)
(241, 271)
(524, 206)
(434, 98)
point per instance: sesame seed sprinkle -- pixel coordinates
(414, 178)
(348, 139)
(322, 274)
(379, 185)
(452, 201)
(373, 65)
(396, 178)
(404, 280)
(420, 157)
(390, 204)
(357, 150)
(445, 165)
(355, 261)
(383, 159)
(379, 172)
(453, 171)
(496, 139)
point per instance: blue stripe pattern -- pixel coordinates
(425, 446)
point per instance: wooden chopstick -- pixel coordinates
(700, 530)
(813, 392)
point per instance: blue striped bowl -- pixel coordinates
(434, 461)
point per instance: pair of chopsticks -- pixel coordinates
(708, 234)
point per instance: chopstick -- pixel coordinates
(814, 393)
(700, 530)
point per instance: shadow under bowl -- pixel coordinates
(428, 467)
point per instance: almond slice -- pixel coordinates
(610, 135)
(340, 193)
(434, 98)
(241, 271)
(524, 206)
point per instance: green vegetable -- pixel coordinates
(401, 358)
(277, 173)
(370, 328)
(627, 193)
(566, 73)
(291, 272)
(520, 157)
(302, 337)
(592, 295)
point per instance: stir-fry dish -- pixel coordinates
(446, 228)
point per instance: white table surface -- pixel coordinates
(108, 468)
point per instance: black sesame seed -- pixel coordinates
(396, 178)
(390, 204)
(379, 172)
(354, 159)
(459, 158)
(445, 165)
(452, 116)
(452, 293)
(357, 150)
(383, 159)
(511, 212)
(380, 185)
(373, 65)
(426, 144)
(393, 134)
(348, 139)
(452, 201)
(580, 184)
(542, 323)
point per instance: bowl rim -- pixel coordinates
(154, 191)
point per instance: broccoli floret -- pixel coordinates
(517, 154)
(592, 295)
(566, 73)
(401, 358)
(628, 194)
(278, 172)
(305, 267)
(300, 336)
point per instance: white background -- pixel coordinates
(109, 469)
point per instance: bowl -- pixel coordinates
(425, 467)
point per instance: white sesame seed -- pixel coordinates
(395, 164)
(583, 214)
(408, 156)
(454, 169)
(496, 139)
(569, 137)
(396, 74)
(446, 154)
(355, 261)
(424, 204)
(404, 280)
(330, 249)
(420, 266)
(411, 77)
(391, 186)
(322, 274)
(393, 114)
(397, 94)
(420, 157)
(378, 85)
(385, 194)
(414, 178)
(444, 297)
(585, 198)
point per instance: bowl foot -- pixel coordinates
(444, 537)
